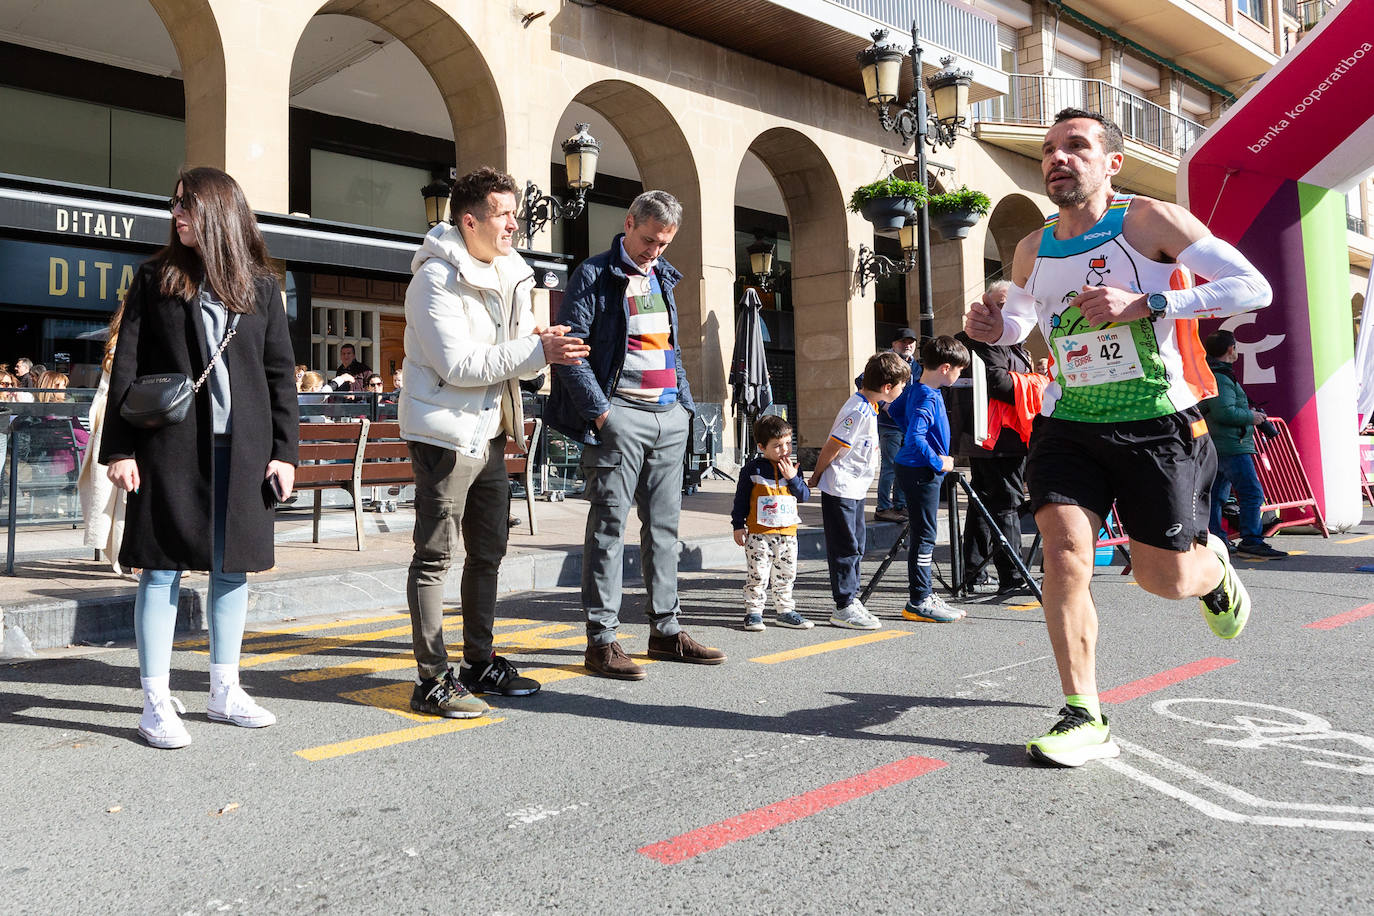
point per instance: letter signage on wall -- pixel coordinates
(56, 276)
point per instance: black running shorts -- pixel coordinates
(1158, 472)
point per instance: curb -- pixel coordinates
(97, 619)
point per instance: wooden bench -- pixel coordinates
(520, 467)
(352, 455)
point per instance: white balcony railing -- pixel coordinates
(953, 25)
(1037, 99)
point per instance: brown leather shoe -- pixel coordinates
(611, 661)
(683, 648)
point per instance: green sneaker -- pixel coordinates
(1074, 740)
(1226, 607)
(446, 696)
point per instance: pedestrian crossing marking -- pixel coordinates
(828, 646)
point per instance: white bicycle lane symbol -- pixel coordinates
(1258, 727)
(1278, 727)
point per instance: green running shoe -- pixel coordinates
(1226, 607)
(1074, 740)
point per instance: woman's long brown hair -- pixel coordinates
(229, 254)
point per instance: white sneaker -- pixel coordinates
(231, 704)
(160, 725)
(855, 617)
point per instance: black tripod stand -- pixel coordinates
(953, 482)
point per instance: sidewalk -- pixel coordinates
(60, 596)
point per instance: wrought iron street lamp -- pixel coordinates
(580, 153)
(874, 267)
(436, 195)
(761, 262)
(881, 67)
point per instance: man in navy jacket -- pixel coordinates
(630, 406)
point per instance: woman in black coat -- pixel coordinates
(201, 491)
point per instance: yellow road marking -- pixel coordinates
(829, 646)
(292, 628)
(520, 641)
(1030, 607)
(388, 739)
(1356, 540)
(316, 646)
(395, 699)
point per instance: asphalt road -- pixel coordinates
(822, 771)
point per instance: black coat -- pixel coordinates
(168, 524)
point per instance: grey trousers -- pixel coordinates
(453, 493)
(639, 460)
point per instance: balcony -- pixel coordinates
(1310, 12)
(1156, 138)
(1355, 224)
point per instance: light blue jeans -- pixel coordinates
(155, 608)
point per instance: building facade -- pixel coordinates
(334, 115)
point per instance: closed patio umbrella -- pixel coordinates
(752, 392)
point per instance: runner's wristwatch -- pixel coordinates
(1157, 303)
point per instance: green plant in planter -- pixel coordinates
(960, 200)
(887, 187)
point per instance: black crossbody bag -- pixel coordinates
(155, 401)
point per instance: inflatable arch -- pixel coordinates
(1270, 177)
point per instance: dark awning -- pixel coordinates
(86, 216)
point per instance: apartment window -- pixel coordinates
(335, 323)
(1255, 9)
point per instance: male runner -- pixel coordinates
(1108, 281)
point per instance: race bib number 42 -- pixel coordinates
(1098, 357)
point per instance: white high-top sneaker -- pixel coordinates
(160, 725)
(229, 703)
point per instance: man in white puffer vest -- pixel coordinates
(470, 337)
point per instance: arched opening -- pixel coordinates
(818, 276)
(1015, 217)
(92, 95)
(382, 101)
(642, 148)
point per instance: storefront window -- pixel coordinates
(47, 136)
(366, 192)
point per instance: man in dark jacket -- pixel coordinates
(630, 406)
(998, 473)
(1231, 421)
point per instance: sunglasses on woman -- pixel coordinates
(185, 201)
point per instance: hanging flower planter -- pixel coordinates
(888, 203)
(955, 213)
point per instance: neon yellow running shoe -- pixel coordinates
(1226, 607)
(1074, 740)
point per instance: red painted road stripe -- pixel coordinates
(714, 836)
(1163, 679)
(1340, 620)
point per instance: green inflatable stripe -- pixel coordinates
(1328, 267)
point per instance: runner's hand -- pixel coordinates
(983, 321)
(1102, 305)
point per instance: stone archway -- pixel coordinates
(665, 162)
(826, 349)
(455, 63)
(195, 33)
(1015, 217)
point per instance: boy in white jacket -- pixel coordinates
(470, 336)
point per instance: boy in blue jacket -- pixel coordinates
(921, 465)
(764, 518)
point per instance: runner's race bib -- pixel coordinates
(1098, 357)
(777, 511)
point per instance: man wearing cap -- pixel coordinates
(891, 499)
